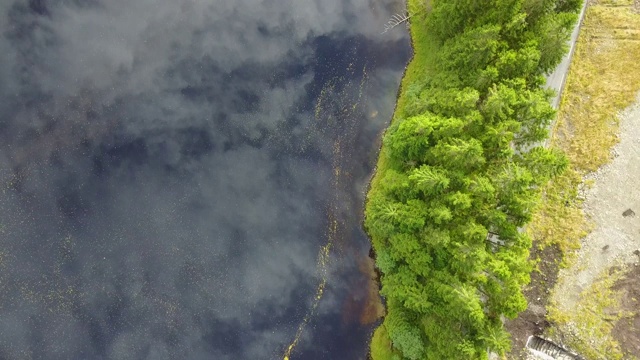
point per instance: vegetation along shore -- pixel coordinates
(460, 171)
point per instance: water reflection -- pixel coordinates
(172, 172)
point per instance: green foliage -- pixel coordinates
(497, 338)
(461, 162)
(381, 348)
(405, 335)
(448, 102)
(429, 180)
(471, 52)
(554, 30)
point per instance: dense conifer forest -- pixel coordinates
(460, 171)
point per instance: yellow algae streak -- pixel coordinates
(323, 259)
(327, 93)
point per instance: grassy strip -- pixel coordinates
(381, 345)
(604, 79)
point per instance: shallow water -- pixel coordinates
(184, 179)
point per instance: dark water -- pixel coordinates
(179, 178)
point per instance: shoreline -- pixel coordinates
(373, 178)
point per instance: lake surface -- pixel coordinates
(183, 179)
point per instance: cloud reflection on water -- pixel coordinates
(165, 181)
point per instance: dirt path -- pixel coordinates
(592, 298)
(611, 204)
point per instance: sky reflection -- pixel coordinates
(168, 173)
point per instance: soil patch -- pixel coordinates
(533, 321)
